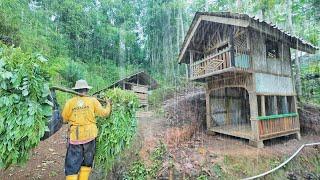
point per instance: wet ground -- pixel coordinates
(191, 153)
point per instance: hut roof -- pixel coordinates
(144, 79)
(246, 21)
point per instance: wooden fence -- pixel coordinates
(274, 125)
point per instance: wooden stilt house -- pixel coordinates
(140, 83)
(245, 64)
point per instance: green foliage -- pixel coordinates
(116, 132)
(202, 177)
(139, 170)
(218, 170)
(274, 163)
(157, 157)
(24, 106)
(161, 94)
(310, 79)
(71, 73)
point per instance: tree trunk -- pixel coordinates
(206, 7)
(182, 34)
(239, 5)
(263, 14)
(296, 59)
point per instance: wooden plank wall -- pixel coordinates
(142, 93)
(275, 127)
(229, 106)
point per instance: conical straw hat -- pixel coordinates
(82, 84)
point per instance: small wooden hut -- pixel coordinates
(245, 64)
(140, 83)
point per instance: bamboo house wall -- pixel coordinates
(245, 65)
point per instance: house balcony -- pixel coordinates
(226, 61)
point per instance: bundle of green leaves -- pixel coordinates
(117, 131)
(24, 107)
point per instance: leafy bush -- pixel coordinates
(117, 131)
(24, 106)
(159, 95)
(72, 73)
(139, 170)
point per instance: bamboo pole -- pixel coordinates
(63, 89)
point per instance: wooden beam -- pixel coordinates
(223, 42)
(231, 40)
(275, 94)
(229, 69)
(254, 114)
(276, 74)
(214, 34)
(223, 20)
(207, 27)
(189, 39)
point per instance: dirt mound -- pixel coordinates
(186, 108)
(309, 118)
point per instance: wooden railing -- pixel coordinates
(211, 63)
(274, 125)
(219, 61)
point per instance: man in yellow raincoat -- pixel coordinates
(80, 112)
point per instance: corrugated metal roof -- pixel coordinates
(141, 74)
(251, 19)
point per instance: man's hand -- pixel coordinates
(108, 100)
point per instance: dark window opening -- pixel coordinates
(259, 106)
(278, 105)
(223, 47)
(272, 49)
(282, 104)
(291, 104)
(270, 105)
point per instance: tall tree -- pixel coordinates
(296, 59)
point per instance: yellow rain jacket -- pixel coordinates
(80, 113)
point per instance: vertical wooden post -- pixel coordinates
(294, 104)
(249, 53)
(137, 80)
(188, 71)
(298, 136)
(285, 105)
(263, 105)
(254, 121)
(191, 63)
(275, 105)
(227, 107)
(208, 108)
(231, 40)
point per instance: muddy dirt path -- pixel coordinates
(190, 151)
(46, 161)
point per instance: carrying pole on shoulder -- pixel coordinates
(62, 89)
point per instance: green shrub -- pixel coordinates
(117, 131)
(139, 170)
(24, 106)
(72, 73)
